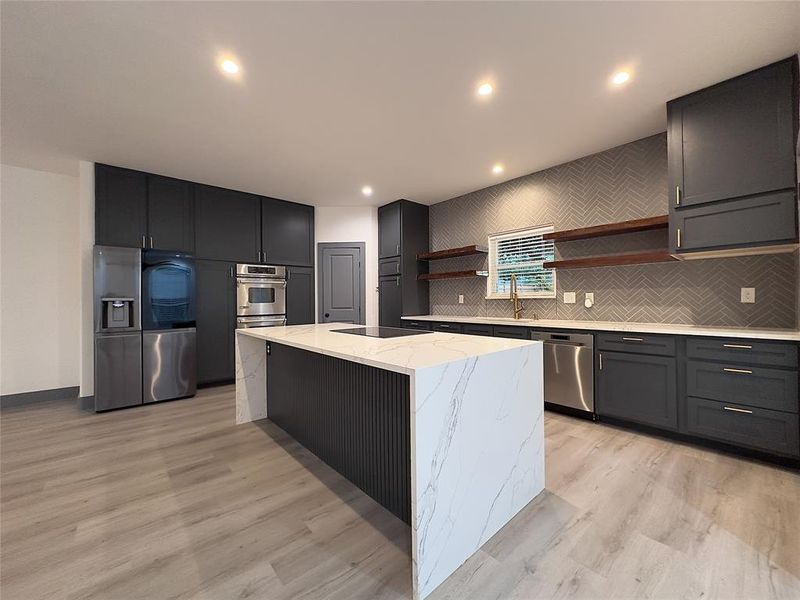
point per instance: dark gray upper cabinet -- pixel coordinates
(389, 230)
(763, 220)
(638, 387)
(287, 233)
(300, 296)
(390, 307)
(734, 139)
(227, 224)
(170, 214)
(402, 234)
(732, 168)
(120, 207)
(216, 321)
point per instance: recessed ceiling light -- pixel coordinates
(229, 66)
(620, 77)
(485, 89)
(497, 169)
(366, 190)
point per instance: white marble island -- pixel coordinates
(471, 414)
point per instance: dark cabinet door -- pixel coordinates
(390, 307)
(389, 224)
(170, 214)
(216, 321)
(300, 296)
(733, 139)
(638, 388)
(227, 224)
(120, 207)
(756, 221)
(287, 233)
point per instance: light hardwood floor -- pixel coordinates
(174, 501)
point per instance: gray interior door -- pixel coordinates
(341, 286)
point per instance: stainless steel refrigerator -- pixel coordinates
(117, 327)
(144, 309)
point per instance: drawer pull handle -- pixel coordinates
(630, 339)
(739, 346)
(742, 371)
(739, 410)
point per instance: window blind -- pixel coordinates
(521, 253)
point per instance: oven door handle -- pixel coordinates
(262, 282)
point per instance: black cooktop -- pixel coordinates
(380, 332)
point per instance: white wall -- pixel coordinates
(353, 224)
(39, 281)
(86, 258)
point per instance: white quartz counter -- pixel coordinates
(729, 332)
(402, 354)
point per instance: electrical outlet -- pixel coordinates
(569, 297)
(461, 298)
(749, 295)
(589, 300)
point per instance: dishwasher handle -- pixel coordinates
(565, 343)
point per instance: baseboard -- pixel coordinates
(86, 403)
(14, 400)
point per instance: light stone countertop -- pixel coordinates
(728, 332)
(402, 354)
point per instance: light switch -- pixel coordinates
(569, 297)
(749, 295)
(461, 298)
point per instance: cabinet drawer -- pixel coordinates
(473, 329)
(756, 221)
(743, 351)
(389, 267)
(742, 425)
(448, 327)
(774, 389)
(424, 325)
(637, 343)
(511, 331)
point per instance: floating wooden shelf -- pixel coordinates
(648, 224)
(611, 260)
(452, 253)
(452, 275)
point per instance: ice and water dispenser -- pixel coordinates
(117, 313)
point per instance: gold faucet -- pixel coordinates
(515, 297)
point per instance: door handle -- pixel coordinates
(677, 195)
(151, 241)
(600, 356)
(327, 315)
(144, 241)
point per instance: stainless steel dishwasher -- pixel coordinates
(568, 369)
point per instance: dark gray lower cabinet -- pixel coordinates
(756, 428)
(300, 296)
(422, 325)
(638, 387)
(216, 321)
(447, 327)
(774, 389)
(476, 329)
(512, 331)
(390, 300)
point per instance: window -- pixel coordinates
(521, 253)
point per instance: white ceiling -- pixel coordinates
(334, 96)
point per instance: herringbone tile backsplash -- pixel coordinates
(627, 182)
